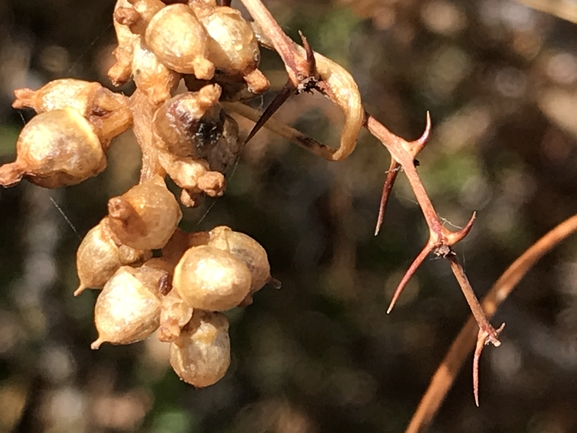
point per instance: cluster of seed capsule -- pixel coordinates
(194, 277)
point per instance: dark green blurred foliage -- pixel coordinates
(320, 355)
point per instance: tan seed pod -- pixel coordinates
(107, 112)
(180, 42)
(211, 279)
(126, 311)
(246, 249)
(99, 257)
(146, 216)
(201, 354)
(152, 76)
(174, 314)
(56, 148)
(232, 46)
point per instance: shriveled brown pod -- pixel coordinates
(56, 148)
(174, 314)
(107, 111)
(244, 248)
(201, 354)
(232, 46)
(211, 279)
(99, 257)
(152, 76)
(189, 124)
(180, 41)
(126, 310)
(146, 216)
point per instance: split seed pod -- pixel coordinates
(56, 148)
(126, 310)
(179, 40)
(99, 257)
(201, 355)
(146, 216)
(211, 279)
(246, 249)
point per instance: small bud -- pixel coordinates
(244, 248)
(211, 279)
(126, 310)
(201, 355)
(146, 216)
(56, 148)
(99, 257)
(179, 40)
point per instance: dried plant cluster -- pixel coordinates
(191, 138)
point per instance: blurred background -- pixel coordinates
(320, 354)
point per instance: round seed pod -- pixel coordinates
(126, 311)
(146, 216)
(179, 40)
(211, 279)
(232, 46)
(56, 148)
(99, 257)
(190, 124)
(201, 354)
(246, 249)
(57, 95)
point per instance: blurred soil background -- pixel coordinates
(320, 355)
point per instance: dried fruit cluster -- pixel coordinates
(187, 136)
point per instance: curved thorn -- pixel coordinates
(387, 187)
(410, 272)
(420, 142)
(481, 340)
(310, 55)
(272, 108)
(456, 237)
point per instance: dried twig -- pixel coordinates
(465, 341)
(308, 70)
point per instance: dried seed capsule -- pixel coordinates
(211, 279)
(146, 216)
(179, 40)
(244, 248)
(126, 311)
(56, 148)
(201, 355)
(191, 123)
(107, 112)
(99, 257)
(152, 76)
(232, 45)
(130, 20)
(174, 314)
